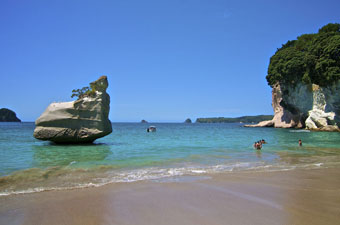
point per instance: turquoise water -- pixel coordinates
(130, 154)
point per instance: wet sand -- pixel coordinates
(289, 197)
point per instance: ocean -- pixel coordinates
(175, 150)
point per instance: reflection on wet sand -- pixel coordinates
(315, 198)
(259, 154)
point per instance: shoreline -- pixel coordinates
(281, 197)
(61, 179)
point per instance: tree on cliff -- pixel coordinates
(83, 92)
(312, 58)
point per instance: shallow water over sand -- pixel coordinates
(130, 154)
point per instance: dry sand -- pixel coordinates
(290, 197)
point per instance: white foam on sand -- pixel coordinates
(155, 173)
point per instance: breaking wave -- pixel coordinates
(36, 180)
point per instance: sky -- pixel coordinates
(165, 60)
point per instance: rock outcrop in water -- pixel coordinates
(80, 121)
(7, 115)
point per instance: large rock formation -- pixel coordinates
(80, 121)
(304, 75)
(7, 115)
(305, 106)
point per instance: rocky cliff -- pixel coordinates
(305, 106)
(305, 77)
(80, 121)
(7, 115)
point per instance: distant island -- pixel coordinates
(188, 121)
(144, 121)
(242, 119)
(7, 115)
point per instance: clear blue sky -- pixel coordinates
(165, 60)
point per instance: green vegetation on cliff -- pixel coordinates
(84, 92)
(312, 58)
(243, 119)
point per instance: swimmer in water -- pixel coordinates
(257, 145)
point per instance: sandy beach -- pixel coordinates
(286, 197)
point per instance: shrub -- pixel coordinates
(83, 92)
(312, 58)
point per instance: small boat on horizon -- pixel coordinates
(151, 129)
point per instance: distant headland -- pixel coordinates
(7, 115)
(242, 119)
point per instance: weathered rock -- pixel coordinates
(267, 123)
(287, 112)
(80, 121)
(7, 115)
(319, 118)
(306, 106)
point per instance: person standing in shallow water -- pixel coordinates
(257, 145)
(300, 142)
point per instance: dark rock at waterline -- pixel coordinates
(7, 115)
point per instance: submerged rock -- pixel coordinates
(7, 115)
(80, 121)
(305, 106)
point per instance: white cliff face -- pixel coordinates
(306, 106)
(319, 118)
(290, 105)
(80, 121)
(309, 106)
